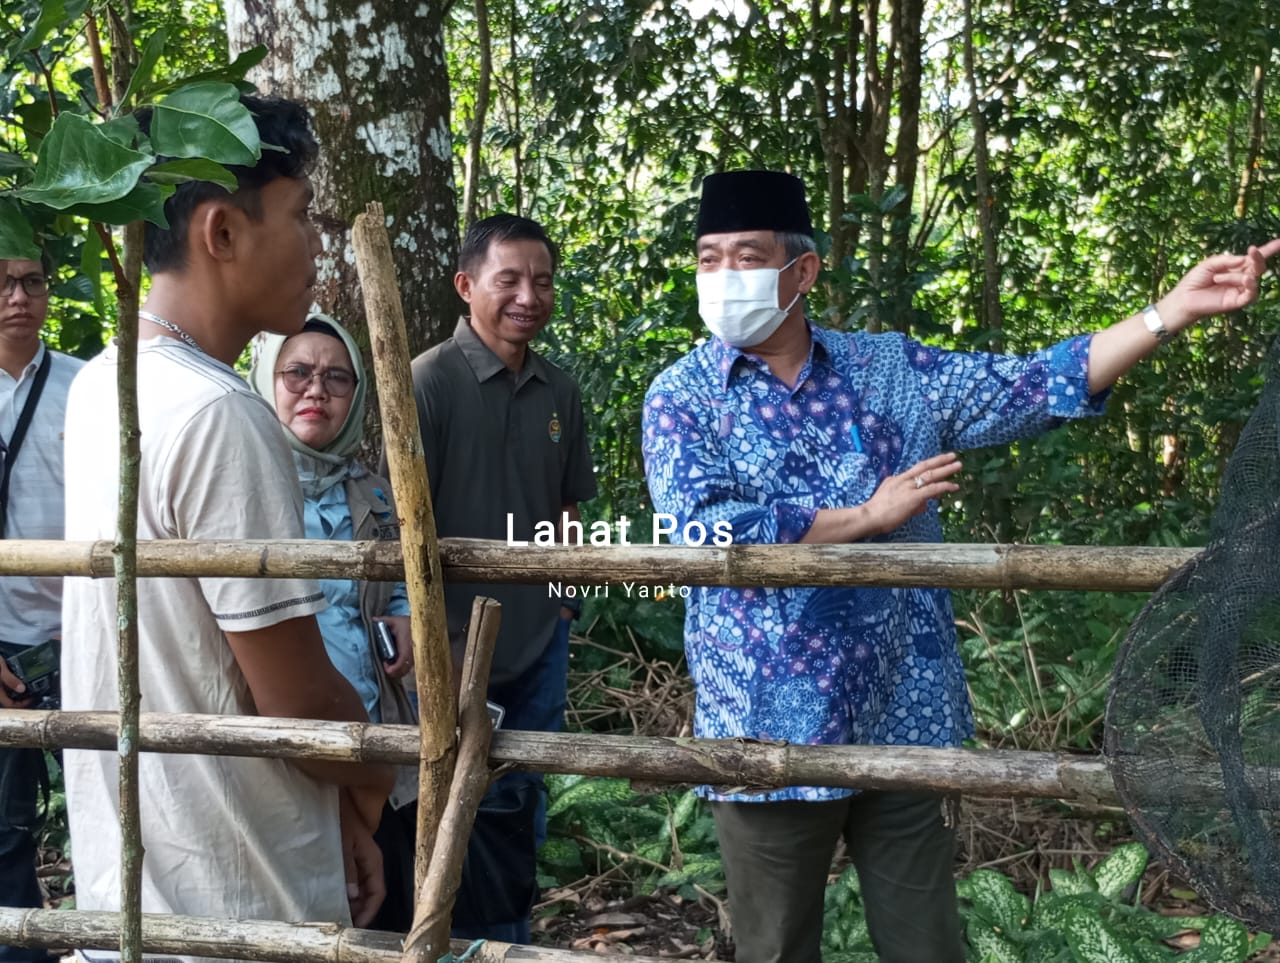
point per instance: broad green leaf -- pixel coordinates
(16, 238)
(696, 869)
(558, 851)
(78, 288)
(1052, 910)
(1093, 941)
(1222, 940)
(52, 13)
(206, 121)
(993, 894)
(1046, 947)
(192, 169)
(80, 165)
(144, 203)
(123, 131)
(1120, 869)
(993, 946)
(11, 163)
(591, 793)
(146, 64)
(37, 118)
(232, 73)
(1067, 883)
(91, 267)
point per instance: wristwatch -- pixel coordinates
(1151, 318)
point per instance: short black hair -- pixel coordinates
(499, 228)
(282, 124)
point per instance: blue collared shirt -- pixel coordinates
(328, 517)
(726, 440)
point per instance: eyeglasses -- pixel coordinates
(34, 284)
(338, 382)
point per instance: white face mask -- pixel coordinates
(741, 307)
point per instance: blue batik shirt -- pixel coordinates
(726, 440)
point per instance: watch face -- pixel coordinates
(1151, 318)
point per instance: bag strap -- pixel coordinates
(10, 450)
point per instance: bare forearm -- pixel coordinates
(291, 677)
(835, 526)
(1114, 350)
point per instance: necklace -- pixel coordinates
(169, 325)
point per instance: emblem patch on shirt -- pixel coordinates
(553, 427)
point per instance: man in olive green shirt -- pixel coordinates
(505, 447)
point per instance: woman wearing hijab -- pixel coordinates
(315, 381)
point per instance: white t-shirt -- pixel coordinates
(224, 837)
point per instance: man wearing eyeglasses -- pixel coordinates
(33, 398)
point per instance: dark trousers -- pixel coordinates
(22, 772)
(395, 838)
(20, 777)
(777, 856)
(499, 877)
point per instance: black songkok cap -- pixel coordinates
(753, 201)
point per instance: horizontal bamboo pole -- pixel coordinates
(719, 762)
(247, 939)
(623, 569)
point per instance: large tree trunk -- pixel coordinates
(475, 136)
(373, 73)
(907, 153)
(988, 229)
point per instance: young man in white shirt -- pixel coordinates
(224, 836)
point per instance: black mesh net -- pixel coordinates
(1192, 734)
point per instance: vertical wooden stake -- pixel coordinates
(434, 908)
(125, 554)
(402, 441)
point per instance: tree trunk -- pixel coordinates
(1249, 173)
(906, 154)
(992, 312)
(475, 137)
(375, 78)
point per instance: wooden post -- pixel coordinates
(429, 937)
(125, 553)
(402, 442)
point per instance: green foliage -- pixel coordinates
(1085, 917)
(67, 162)
(206, 120)
(601, 825)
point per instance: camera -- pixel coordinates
(37, 667)
(384, 641)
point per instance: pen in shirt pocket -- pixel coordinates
(857, 439)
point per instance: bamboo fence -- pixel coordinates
(1004, 567)
(727, 763)
(249, 939)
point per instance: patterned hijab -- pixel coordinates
(318, 470)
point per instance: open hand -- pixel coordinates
(904, 496)
(1217, 285)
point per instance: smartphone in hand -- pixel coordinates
(384, 641)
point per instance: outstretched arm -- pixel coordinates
(1217, 285)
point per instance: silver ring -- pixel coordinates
(919, 481)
